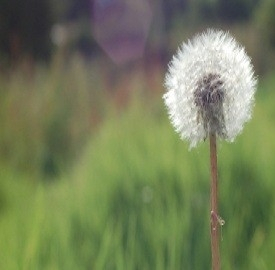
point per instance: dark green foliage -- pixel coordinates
(25, 28)
(266, 20)
(236, 10)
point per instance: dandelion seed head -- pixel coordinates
(210, 88)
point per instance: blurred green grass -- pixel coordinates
(137, 198)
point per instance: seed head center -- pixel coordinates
(209, 97)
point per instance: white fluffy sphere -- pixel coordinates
(210, 87)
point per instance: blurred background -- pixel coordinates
(92, 174)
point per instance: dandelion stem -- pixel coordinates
(214, 205)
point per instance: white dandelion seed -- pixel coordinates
(210, 88)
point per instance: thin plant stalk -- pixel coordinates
(214, 205)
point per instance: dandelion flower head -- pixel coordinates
(210, 88)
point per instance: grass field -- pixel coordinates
(137, 198)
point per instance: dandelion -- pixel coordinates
(210, 93)
(211, 87)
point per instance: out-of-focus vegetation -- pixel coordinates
(138, 199)
(46, 116)
(93, 176)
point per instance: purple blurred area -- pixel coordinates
(121, 27)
